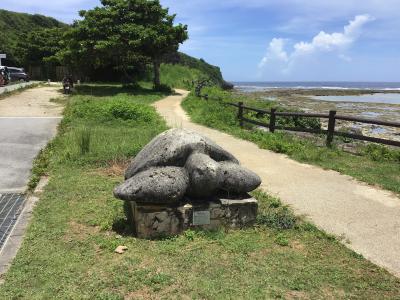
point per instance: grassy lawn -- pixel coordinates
(68, 252)
(374, 164)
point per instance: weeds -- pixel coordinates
(84, 136)
(273, 213)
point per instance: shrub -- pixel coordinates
(110, 110)
(381, 153)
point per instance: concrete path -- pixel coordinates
(28, 120)
(368, 217)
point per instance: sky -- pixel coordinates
(277, 40)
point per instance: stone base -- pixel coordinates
(155, 221)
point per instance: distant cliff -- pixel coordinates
(210, 71)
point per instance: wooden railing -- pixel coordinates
(330, 132)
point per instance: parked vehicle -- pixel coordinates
(4, 76)
(18, 74)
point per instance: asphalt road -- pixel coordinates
(20, 141)
(28, 120)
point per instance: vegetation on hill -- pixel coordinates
(14, 29)
(208, 71)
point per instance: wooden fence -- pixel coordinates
(330, 132)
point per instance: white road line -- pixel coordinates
(31, 118)
(13, 190)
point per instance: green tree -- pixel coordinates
(126, 33)
(41, 46)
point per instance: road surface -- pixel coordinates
(28, 120)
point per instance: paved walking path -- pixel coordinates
(368, 217)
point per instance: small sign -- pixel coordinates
(201, 217)
(3, 56)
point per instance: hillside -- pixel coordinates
(210, 71)
(178, 68)
(14, 26)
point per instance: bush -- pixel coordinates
(381, 153)
(111, 110)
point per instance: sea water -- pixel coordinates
(374, 98)
(260, 86)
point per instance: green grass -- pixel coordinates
(179, 76)
(68, 251)
(374, 164)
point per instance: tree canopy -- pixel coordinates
(15, 28)
(124, 33)
(41, 46)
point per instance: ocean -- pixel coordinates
(260, 86)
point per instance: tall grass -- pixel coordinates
(83, 138)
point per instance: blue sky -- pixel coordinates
(275, 40)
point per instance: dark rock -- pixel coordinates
(156, 185)
(179, 162)
(351, 130)
(233, 178)
(227, 85)
(172, 148)
(203, 175)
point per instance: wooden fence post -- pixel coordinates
(240, 114)
(331, 127)
(272, 120)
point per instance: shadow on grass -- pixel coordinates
(124, 226)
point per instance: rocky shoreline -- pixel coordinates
(300, 99)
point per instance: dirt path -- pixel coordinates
(369, 218)
(32, 103)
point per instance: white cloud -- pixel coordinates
(336, 42)
(275, 51)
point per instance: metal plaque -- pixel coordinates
(201, 217)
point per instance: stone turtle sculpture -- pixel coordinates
(179, 163)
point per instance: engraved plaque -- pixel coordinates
(201, 217)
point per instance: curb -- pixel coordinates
(16, 237)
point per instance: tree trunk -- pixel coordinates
(156, 67)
